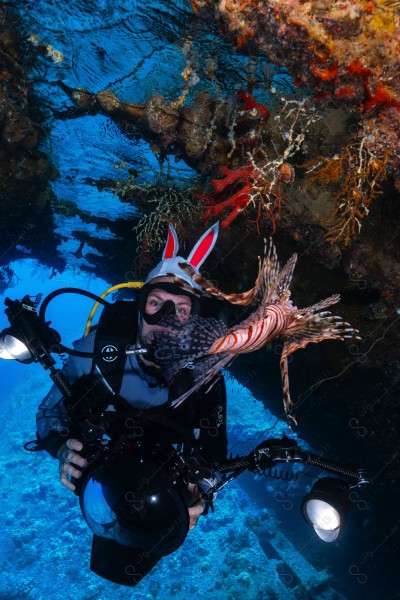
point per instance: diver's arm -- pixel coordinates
(52, 420)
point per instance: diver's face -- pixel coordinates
(155, 301)
(157, 298)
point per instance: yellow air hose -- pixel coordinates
(129, 284)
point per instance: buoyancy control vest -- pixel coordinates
(203, 411)
(118, 328)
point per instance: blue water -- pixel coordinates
(256, 545)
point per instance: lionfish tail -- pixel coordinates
(314, 327)
(287, 401)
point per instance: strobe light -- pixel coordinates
(29, 338)
(325, 508)
(20, 340)
(12, 348)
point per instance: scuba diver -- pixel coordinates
(137, 416)
(137, 404)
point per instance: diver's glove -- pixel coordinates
(204, 476)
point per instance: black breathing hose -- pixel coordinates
(42, 317)
(52, 295)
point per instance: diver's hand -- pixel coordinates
(69, 459)
(194, 513)
(196, 507)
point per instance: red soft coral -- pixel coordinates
(235, 203)
(248, 185)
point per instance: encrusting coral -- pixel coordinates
(348, 55)
(343, 50)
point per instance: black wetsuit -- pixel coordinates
(203, 414)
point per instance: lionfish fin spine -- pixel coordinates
(208, 377)
(313, 328)
(320, 305)
(209, 289)
(273, 283)
(287, 401)
(284, 279)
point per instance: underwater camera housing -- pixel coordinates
(134, 503)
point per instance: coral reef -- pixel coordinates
(161, 201)
(256, 150)
(267, 169)
(359, 174)
(346, 53)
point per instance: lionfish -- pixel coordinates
(206, 345)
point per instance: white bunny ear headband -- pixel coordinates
(170, 261)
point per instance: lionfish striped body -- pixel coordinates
(210, 346)
(257, 335)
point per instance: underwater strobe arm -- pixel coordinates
(278, 450)
(326, 506)
(285, 449)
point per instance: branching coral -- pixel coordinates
(161, 202)
(385, 134)
(359, 173)
(260, 188)
(259, 184)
